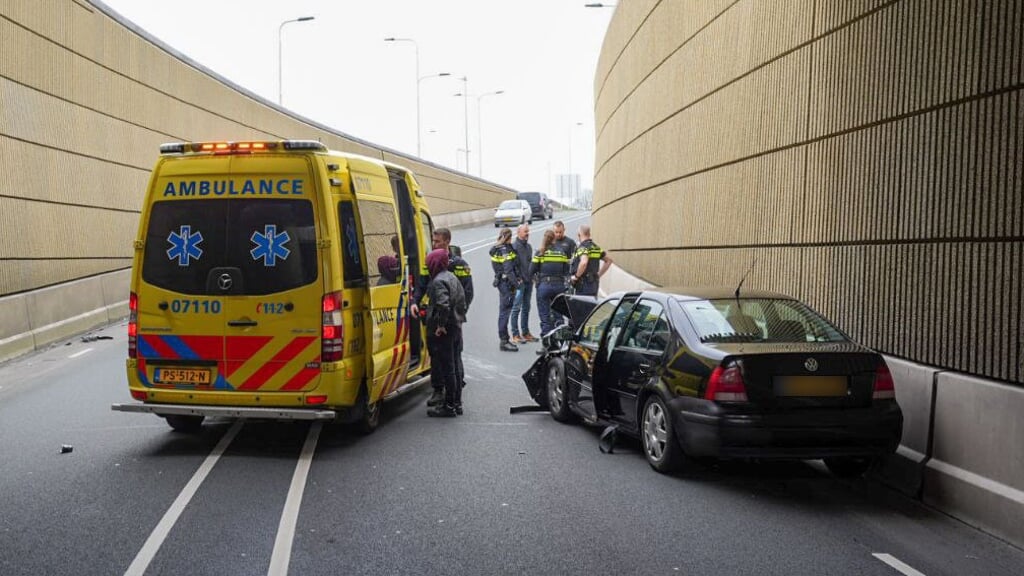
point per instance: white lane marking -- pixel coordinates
(896, 564)
(80, 352)
(156, 539)
(282, 554)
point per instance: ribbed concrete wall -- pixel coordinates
(85, 101)
(864, 155)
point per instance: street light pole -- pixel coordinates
(416, 46)
(280, 85)
(418, 129)
(480, 132)
(465, 114)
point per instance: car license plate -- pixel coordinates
(181, 376)
(813, 386)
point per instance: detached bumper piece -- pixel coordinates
(227, 411)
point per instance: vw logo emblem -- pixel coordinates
(225, 281)
(811, 364)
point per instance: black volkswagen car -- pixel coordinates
(707, 373)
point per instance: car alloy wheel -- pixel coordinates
(661, 449)
(655, 433)
(558, 400)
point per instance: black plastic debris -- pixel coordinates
(66, 448)
(606, 443)
(95, 338)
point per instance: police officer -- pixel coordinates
(441, 239)
(506, 280)
(564, 244)
(550, 266)
(589, 263)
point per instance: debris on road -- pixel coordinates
(66, 448)
(95, 338)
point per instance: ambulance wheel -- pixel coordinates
(369, 415)
(184, 423)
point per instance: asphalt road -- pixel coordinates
(486, 493)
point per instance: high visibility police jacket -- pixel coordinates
(503, 261)
(594, 253)
(460, 268)
(551, 265)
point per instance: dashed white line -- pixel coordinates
(897, 564)
(282, 554)
(80, 352)
(156, 539)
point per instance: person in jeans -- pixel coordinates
(520, 322)
(446, 311)
(506, 280)
(550, 266)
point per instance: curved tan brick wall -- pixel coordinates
(85, 102)
(865, 154)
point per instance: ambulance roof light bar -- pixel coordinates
(240, 147)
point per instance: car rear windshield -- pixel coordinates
(269, 243)
(510, 205)
(531, 197)
(758, 320)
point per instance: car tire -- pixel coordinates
(657, 432)
(848, 466)
(369, 415)
(557, 391)
(186, 424)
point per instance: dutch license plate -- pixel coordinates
(812, 386)
(181, 376)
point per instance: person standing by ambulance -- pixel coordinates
(446, 311)
(521, 304)
(441, 239)
(506, 280)
(589, 263)
(550, 266)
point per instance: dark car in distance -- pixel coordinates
(707, 373)
(539, 203)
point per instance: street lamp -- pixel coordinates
(465, 114)
(418, 80)
(280, 87)
(480, 132)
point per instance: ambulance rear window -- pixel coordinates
(267, 244)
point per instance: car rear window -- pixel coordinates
(510, 205)
(531, 197)
(758, 320)
(269, 243)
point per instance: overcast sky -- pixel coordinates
(339, 71)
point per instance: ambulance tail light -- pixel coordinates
(332, 341)
(133, 325)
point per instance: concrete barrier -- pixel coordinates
(36, 319)
(976, 471)
(460, 219)
(915, 394)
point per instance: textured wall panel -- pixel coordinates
(865, 154)
(85, 102)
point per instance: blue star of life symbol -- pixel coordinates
(184, 245)
(270, 245)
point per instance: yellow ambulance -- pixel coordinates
(271, 279)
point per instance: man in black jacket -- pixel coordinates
(520, 322)
(446, 311)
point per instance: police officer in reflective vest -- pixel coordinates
(588, 264)
(442, 240)
(506, 280)
(550, 266)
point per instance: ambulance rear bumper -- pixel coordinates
(228, 411)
